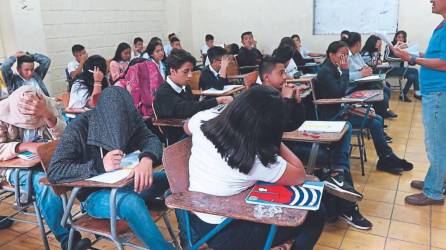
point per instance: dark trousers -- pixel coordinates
(411, 75)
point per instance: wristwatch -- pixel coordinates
(413, 60)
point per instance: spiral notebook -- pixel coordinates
(306, 197)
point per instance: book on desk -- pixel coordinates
(306, 197)
(129, 162)
(322, 126)
(361, 95)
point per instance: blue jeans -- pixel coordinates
(411, 76)
(131, 207)
(434, 120)
(49, 203)
(376, 130)
(338, 158)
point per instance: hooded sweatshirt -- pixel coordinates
(113, 124)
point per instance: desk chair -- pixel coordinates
(176, 163)
(113, 229)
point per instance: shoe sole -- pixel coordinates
(397, 171)
(345, 194)
(353, 224)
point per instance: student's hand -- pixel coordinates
(143, 174)
(35, 104)
(343, 62)
(19, 54)
(97, 75)
(224, 99)
(112, 160)
(366, 71)
(225, 61)
(28, 146)
(404, 55)
(83, 58)
(288, 90)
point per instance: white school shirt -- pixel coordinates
(167, 49)
(72, 66)
(291, 68)
(209, 173)
(31, 82)
(204, 49)
(78, 95)
(304, 52)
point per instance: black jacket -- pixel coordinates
(248, 57)
(113, 124)
(170, 104)
(209, 80)
(330, 83)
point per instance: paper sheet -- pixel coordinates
(225, 89)
(322, 126)
(111, 177)
(369, 78)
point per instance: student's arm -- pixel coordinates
(6, 69)
(295, 114)
(98, 76)
(78, 70)
(330, 86)
(433, 63)
(147, 142)
(67, 163)
(207, 81)
(44, 64)
(114, 70)
(295, 172)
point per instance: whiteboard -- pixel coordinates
(363, 16)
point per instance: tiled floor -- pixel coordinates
(396, 225)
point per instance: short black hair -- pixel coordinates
(345, 32)
(353, 38)
(215, 53)
(267, 65)
(209, 37)
(155, 38)
(137, 40)
(174, 39)
(239, 138)
(121, 47)
(77, 48)
(171, 35)
(283, 54)
(24, 59)
(246, 33)
(178, 57)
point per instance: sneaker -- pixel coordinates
(79, 243)
(405, 98)
(389, 114)
(387, 138)
(355, 219)
(390, 164)
(5, 223)
(337, 183)
(407, 166)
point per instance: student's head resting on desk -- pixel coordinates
(354, 42)
(216, 55)
(248, 40)
(239, 138)
(337, 54)
(180, 64)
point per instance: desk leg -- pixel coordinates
(212, 233)
(312, 159)
(270, 238)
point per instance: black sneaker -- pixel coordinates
(5, 223)
(405, 98)
(391, 164)
(407, 166)
(79, 243)
(338, 184)
(389, 114)
(387, 138)
(356, 220)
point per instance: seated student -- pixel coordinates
(95, 143)
(303, 51)
(287, 44)
(28, 119)
(214, 75)
(298, 58)
(233, 150)
(120, 61)
(336, 158)
(209, 43)
(344, 35)
(89, 85)
(155, 53)
(248, 55)
(175, 43)
(232, 49)
(398, 69)
(371, 52)
(138, 47)
(3, 87)
(142, 79)
(74, 67)
(26, 73)
(174, 98)
(358, 69)
(168, 47)
(332, 82)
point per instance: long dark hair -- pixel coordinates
(121, 47)
(241, 138)
(288, 41)
(151, 47)
(352, 39)
(370, 45)
(87, 76)
(397, 33)
(334, 47)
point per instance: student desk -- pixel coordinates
(172, 122)
(302, 80)
(376, 98)
(229, 92)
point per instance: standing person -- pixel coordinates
(433, 91)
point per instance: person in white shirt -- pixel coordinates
(74, 68)
(209, 43)
(230, 152)
(138, 47)
(168, 47)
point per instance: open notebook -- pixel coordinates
(27, 156)
(127, 164)
(307, 197)
(322, 126)
(225, 89)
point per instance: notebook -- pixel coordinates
(225, 89)
(372, 78)
(306, 197)
(27, 156)
(322, 126)
(127, 164)
(361, 95)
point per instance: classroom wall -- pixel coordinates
(271, 20)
